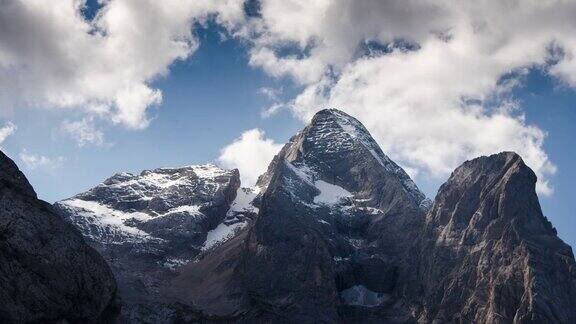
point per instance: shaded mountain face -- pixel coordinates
(332, 224)
(47, 271)
(148, 225)
(330, 236)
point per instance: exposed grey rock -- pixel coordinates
(488, 255)
(148, 225)
(47, 271)
(332, 213)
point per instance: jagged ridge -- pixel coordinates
(148, 225)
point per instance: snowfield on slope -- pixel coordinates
(228, 228)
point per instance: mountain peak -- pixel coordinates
(495, 163)
(120, 207)
(12, 177)
(501, 188)
(487, 219)
(333, 205)
(334, 132)
(332, 112)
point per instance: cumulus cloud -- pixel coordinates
(431, 80)
(35, 161)
(250, 153)
(83, 131)
(50, 55)
(8, 129)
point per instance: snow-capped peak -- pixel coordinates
(356, 132)
(117, 210)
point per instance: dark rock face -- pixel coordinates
(330, 220)
(47, 271)
(148, 225)
(488, 255)
(326, 239)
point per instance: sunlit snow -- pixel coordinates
(221, 234)
(330, 194)
(241, 204)
(107, 217)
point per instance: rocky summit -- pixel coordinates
(486, 253)
(148, 225)
(334, 232)
(47, 271)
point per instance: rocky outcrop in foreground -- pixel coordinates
(47, 271)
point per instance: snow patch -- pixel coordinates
(173, 263)
(221, 234)
(208, 171)
(303, 172)
(226, 230)
(330, 194)
(193, 210)
(164, 178)
(243, 200)
(111, 219)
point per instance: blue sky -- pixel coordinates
(213, 93)
(210, 99)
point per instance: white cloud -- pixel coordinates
(34, 161)
(250, 153)
(83, 131)
(425, 76)
(431, 80)
(51, 55)
(273, 95)
(270, 93)
(273, 109)
(8, 129)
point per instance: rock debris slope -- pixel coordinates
(47, 271)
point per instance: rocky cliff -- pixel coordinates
(47, 271)
(487, 254)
